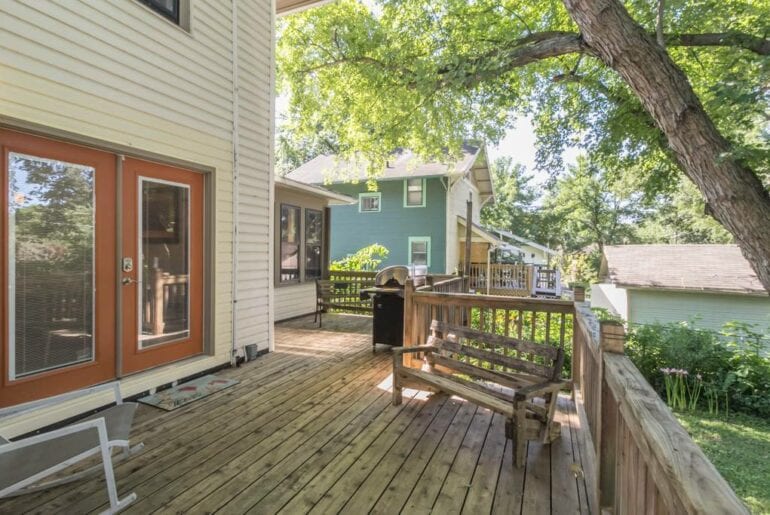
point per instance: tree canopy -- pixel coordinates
(426, 75)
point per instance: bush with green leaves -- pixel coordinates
(367, 259)
(732, 363)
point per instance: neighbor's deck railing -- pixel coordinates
(347, 289)
(644, 461)
(514, 280)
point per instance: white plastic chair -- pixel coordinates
(25, 462)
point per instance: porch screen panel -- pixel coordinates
(50, 264)
(313, 242)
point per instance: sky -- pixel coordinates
(519, 143)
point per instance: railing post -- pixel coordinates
(408, 319)
(612, 341)
(579, 294)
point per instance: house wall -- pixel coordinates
(711, 309)
(116, 72)
(533, 255)
(610, 297)
(457, 197)
(295, 299)
(393, 225)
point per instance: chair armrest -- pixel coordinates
(420, 348)
(536, 390)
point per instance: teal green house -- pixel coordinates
(417, 210)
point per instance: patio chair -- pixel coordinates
(25, 462)
(323, 293)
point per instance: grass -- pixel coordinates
(739, 447)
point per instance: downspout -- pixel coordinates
(271, 193)
(236, 170)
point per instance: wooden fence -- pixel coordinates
(643, 460)
(637, 458)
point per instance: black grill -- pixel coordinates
(388, 305)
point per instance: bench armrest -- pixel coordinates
(420, 348)
(536, 390)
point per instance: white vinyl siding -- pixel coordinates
(457, 196)
(113, 71)
(294, 300)
(708, 310)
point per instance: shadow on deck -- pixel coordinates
(310, 428)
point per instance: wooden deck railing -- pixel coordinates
(643, 460)
(637, 458)
(540, 320)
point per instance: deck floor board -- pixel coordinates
(310, 428)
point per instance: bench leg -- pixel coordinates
(397, 390)
(519, 436)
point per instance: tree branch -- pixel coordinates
(755, 44)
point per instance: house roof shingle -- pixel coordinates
(329, 169)
(715, 268)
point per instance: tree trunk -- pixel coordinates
(734, 193)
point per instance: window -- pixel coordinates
(369, 202)
(414, 193)
(290, 244)
(166, 8)
(313, 243)
(419, 250)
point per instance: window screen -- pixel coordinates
(369, 202)
(313, 243)
(167, 8)
(290, 243)
(50, 264)
(415, 193)
(419, 251)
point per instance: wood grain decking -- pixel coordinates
(310, 428)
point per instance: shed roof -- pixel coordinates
(708, 268)
(313, 190)
(329, 169)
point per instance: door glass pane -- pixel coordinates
(50, 264)
(165, 262)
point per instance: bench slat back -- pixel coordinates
(513, 355)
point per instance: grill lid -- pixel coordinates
(392, 276)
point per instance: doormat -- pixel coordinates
(185, 393)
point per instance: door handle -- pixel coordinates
(128, 280)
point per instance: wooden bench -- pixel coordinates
(517, 378)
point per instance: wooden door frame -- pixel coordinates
(133, 359)
(103, 366)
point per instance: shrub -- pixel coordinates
(736, 375)
(367, 259)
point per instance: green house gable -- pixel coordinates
(390, 222)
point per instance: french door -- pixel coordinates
(58, 267)
(161, 265)
(74, 311)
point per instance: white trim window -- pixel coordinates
(419, 250)
(369, 202)
(414, 192)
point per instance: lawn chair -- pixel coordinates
(25, 462)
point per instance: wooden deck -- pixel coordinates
(310, 428)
